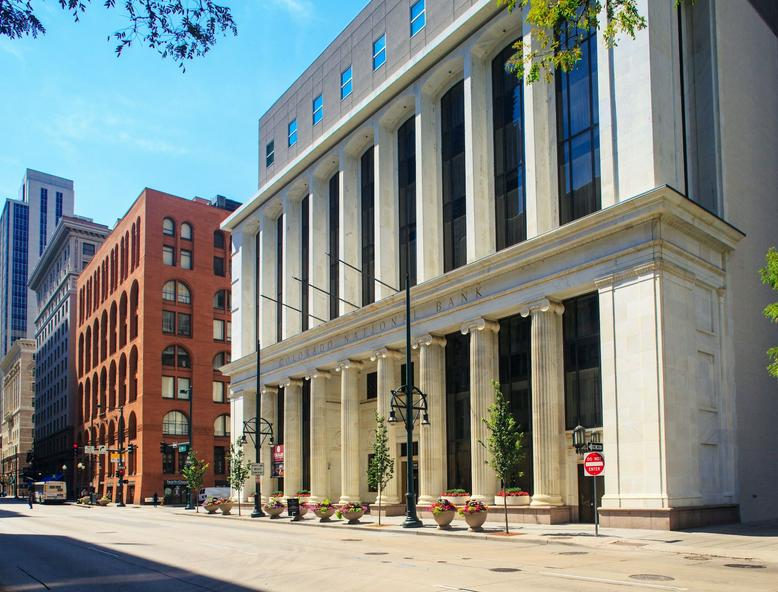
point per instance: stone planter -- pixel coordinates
(324, 514)
(274, 512)
(226, 508)
(102, 502)
(211, 508)
(444, 519)
(303, 510)
(353, 516)
(512, 500)
(457, 500)
(475, 520)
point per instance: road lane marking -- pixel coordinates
(607, 581)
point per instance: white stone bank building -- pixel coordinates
(592, 243)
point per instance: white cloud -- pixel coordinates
(297, 8)
(11, 47)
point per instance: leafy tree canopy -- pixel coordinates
(179, 29)
(769, 274)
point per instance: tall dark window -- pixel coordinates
(43, 220)
(583, 385)
(279, 278)
(304, 248)
(578, 131)
(458, 410)
(368, 226)
(169, 460)
(334, 250)
(219, 464)
(278, 430)
(509, 182)
(306, 421)
(406, 185)
(58, 207)
(516, 384)
(371, 392)
(452, 124)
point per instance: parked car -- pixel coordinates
(208, 492)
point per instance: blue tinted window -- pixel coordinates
(345, 83)
(418, 17)
(318, 109)
(270, 153)
(43, 220)
(293, 132)
(58, 207)
(379, 52)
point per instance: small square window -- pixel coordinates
(218, 266)
(168, 255)
(168, 387)
(346, 79)
(379, 52)
(186, 259)
(87, 249)
(183, 388)
(418, 17)
(318, 109)
(293, 132)
(218, 391)
(168, 322)
(185, 324)
(270, 153)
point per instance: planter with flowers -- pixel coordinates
(104, 501)
(512, 496)
(324, 510)
(455, 496)
(210, 505)
(474, 512)
(277, 493)
(443, 511)
(224, 504)
(351, 511)
(274, 507)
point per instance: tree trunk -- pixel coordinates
(379, 506)
(504, 504)
(239, 490)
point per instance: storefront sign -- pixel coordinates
(277, 470)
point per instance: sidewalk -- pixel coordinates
(737, 541)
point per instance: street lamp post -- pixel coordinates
(120, 469)
(257, 512)
(190, 500)
(261, 430)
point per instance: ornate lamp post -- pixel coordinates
(258, 434)
(190, 497)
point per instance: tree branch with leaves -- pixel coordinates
(194, 473)
(769, 275)
(239, 470)
(381, 467)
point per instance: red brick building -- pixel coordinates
(154, 325)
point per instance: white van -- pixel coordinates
(209, 492)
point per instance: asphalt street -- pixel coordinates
(74, 549)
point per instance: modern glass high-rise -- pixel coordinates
(26, 227)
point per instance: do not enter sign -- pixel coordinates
(594, 464)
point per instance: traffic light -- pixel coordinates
(75, 448)
(120, 472)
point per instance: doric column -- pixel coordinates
(386, 218)
(388, 362)
(291, 270)
(432, 437)
(350, 239)
(478, 165)
(318, 273)
(429, 214)
(483, 370)
(320, 483)
(293, 437)
(268, 411)
(349, 431)
(267, 280)
(540, 140)
(244, 289)
(548, 401)
(241, 409)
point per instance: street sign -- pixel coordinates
(103, 449)
(114, 457)
(90, 450)
(182, 448)
(257, 469)
(594, 447)
(594, 464)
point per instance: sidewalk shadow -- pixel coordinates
(765, 528)
(71, 565)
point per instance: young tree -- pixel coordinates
(381, 468)
(194, 473)
(505, 443)
(239, 470)
(548, 17)
(178, 29)
(769, 275)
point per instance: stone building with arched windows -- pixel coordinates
(591, 242)
(153, 331)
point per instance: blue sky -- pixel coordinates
(69, 107)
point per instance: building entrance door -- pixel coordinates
(586, 496)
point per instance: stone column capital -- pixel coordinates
(269, 390)
(385, 354)
(542, 305)
(319, 374)
(292, 382)
(347, 365)
(429, 340)
(479, 324)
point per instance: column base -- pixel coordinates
(670, 518)
(542, 500)
(425, 500)
(345, 499)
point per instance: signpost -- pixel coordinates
(594, 465)
(258, 469)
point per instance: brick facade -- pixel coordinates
(121, 342)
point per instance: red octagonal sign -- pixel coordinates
(594, 464)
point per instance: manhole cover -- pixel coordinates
(745, 565)
(504, 569)
(651, 578)
(442, 561)
(466, 558)
(351, 540)
(573, 553)
(376, 553)
(697, 558)
(407, 557)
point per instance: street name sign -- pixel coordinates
(594, 464)
(594, 447)
(257, 469)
